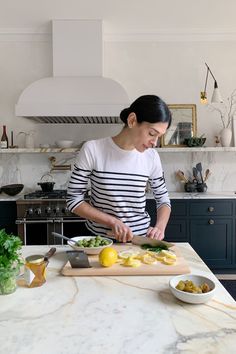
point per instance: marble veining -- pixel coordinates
(115, 315)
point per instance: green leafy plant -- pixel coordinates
(10, 247)
(10, 261)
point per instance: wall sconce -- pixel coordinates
(216, 96)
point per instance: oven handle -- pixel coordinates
(64, 221)
(24, 221)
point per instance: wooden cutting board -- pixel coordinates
(180, 267)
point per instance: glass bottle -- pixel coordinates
(4, 139)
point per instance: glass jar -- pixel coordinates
(8, 278)
(35, 270)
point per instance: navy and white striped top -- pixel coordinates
(118, 180)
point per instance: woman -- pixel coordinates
(118, 169)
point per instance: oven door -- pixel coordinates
(34, 231)
(69, 227)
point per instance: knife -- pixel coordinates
(143, 240)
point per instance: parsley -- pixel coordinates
(10, 247)
(154, 248)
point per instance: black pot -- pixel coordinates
(46, 186)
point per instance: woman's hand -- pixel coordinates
(155, 233)
(121, 232)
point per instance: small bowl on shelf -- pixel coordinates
(195, 141)
(190, 297)
(12, 189)
(64, 144)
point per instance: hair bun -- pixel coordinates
(124, 115)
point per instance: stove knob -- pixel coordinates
(48, 210)
(65, 210)
(38, 211)
(56, 210)
(30, 211)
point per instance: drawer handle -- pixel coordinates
(211, 222)
(211, 209)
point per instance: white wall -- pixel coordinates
(150, 46)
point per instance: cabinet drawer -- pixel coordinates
(179, 208)
(211, 208)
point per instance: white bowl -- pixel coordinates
(64, 143)
(88, 250)
(190, 297)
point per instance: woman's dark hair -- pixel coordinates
(148, 108)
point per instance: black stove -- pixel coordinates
(55, 194)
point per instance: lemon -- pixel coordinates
(108, 256)
(127, 253)
(168, 254)
(148, 259)
(131, 262)
(168, 261)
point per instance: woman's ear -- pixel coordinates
(131, 120)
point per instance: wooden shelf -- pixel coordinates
(38, 150)
(74, 150)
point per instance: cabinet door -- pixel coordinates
(176, 231)
(212, 240)
(8, 216)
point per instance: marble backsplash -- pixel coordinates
(28, 168)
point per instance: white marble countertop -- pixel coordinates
(207, 195)
(115, 315)
(172, 195)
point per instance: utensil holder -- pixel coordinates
(190, 187)
(201, 187)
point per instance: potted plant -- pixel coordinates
(10, 261)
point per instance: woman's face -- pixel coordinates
(146, 135)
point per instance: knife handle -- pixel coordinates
(50, 253)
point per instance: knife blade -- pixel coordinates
(78, 259)
(143, 240)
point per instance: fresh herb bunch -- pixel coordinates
(10, 247)
(154, 248)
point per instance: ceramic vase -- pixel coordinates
(225, 137)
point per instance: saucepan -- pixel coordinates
(46, 183)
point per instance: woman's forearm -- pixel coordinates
(163, 215)
(85, 210)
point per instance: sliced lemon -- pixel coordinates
(127, 253)
(168, 261)
(159, 258)
(168, 254)
(148, 259)
(131, 262)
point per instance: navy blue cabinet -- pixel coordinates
(177, 228)
(8, 216)
(209, 225)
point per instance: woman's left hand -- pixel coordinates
(155, 233)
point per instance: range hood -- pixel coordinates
(77, 92)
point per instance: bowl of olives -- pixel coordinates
(89, 244)
(192, 288)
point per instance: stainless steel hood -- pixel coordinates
(77, 92)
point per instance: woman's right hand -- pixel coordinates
(121, 232)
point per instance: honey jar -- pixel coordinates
(35, 270)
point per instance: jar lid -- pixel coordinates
(36, 258)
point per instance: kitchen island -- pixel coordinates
(115, 315)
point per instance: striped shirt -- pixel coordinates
(118, 180)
